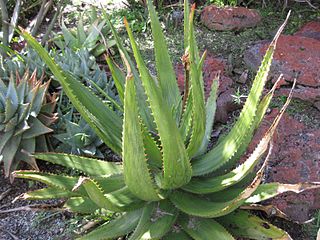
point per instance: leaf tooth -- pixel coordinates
(150, 174)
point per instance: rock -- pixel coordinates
(308, 94)
(213, 66)
(295, 158)
(229, 18)
(243, 77)
(317, 105)
(310, 30)
(295, 56)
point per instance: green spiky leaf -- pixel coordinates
(90, 166)
(176, 165)
(103, 120)
(166, 75)
(243, 224)
(200, 228)
(135, 167)
(120, 226)
(229, 145)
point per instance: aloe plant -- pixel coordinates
(26, 112)
(168, 186)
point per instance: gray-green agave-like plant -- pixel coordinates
(168, 186)
(83, 66)
(26, 60)
(84, 38)
(78, 137)
(26, 112)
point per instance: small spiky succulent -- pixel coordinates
(83, 66)
(78, 137)
(26, 60)
(26, 112)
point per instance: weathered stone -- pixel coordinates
(295, 56)
(243, 77)
(310, 30)
(211, 68)
(317, 105)
(308, 94)
(295, 158)
(229, 18)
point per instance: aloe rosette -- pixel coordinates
(26, 112)
(168, 186)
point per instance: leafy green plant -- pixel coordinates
(26, 111)
(312, 228)
(168, 186)
(224, 2)
(238, 96)
(88, 38)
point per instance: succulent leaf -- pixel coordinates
(196, 89)
(120, 226)
(12, 100)
(90, 166)
(103, 120)
(250, 226)
(200, 228)
(270, 190)
(144, 221)
(136, 172)
(48, 193)
(166, 75)
(8, 152)
(83, 205)
(176, 165)
(53, 180)
(144, 108)
(118, 77)
(177, 235)
(155, 221)
(226, 148)
(36, 129)
(211, 107)
(96, 194)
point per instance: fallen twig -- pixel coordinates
(35, 207)
(5, 193)
(14, 237)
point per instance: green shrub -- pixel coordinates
(224, 2)
(168, 186)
